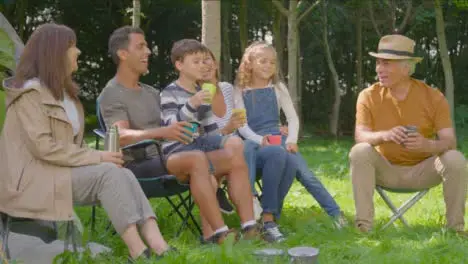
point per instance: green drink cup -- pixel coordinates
(211, 88)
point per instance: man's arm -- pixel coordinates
(115, 112)
(446, 138)
(446, 141)
(364, 134)
(129, 136)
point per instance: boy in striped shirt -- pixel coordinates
(184, 100)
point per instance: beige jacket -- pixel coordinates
(37, 151)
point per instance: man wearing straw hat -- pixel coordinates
(405, 138)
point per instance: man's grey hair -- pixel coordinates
(120, 39)
(410, 64)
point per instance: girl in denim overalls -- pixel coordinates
(277, 176)
(259, 90)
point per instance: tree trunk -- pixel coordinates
(211, 26)
(136, 13)
(243, 32)
(292, 54)
(359, 75)
(335, 113)
(444, 56)
(293, 45)
(299, 81)
(226, 66)
(278, 39)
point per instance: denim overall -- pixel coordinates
(263, 119)
(273, 163)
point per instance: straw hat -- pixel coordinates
(396, 47)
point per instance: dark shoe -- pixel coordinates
(221, 237)
(143, 256)
(147, 254)
(271, 233)
(339, 221)
(223, 201)
(363, 229)
(251, 232)
(463, 234)
(171, 250)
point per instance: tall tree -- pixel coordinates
(386, 22)
(358, 22)
(136, 13)
(243, 31)
(444, 55)
(279, 31)
(211, 26)
(294, 18)
(335, 113)
(226, 21)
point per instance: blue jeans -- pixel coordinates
(313, 185)
(277, 174)
(263, 119)
(250, 155)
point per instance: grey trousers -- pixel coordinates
(118, 191)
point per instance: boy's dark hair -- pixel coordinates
(184, 47)
(119, 40)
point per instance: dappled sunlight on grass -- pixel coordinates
(306, 224)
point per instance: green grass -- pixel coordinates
(307, 225)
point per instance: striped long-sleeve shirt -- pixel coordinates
(175, 107)
(227, 90)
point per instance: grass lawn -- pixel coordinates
(306, 224)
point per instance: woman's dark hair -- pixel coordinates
(45, 57)
(216, 62)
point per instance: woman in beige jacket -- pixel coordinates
(45, 168)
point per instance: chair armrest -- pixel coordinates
(100, 133)
(143, 144)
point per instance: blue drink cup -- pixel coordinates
(193, 128)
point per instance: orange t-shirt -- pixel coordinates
(424, 107)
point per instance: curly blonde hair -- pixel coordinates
(244, 74)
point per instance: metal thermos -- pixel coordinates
(112, 139)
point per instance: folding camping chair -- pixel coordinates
(165, 186)
(398, 213)
(5, 228)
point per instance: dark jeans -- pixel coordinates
(277, 174)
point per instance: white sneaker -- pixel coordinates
(257, 208)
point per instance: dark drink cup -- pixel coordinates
(411, 129)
